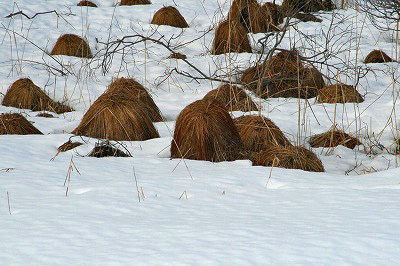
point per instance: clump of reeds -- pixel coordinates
(134, 2)
(169, 16)
(106, 149)
(177, 56)
(204, 130)
(290, 157)
(259, 133)
(230, 37)
(72, 45)
(16, 124)
(333, 138)
(233, 98)
(69, 145)
(86, 3)
(377, 56)
(339, 93)
(24, 94)
(117, 116)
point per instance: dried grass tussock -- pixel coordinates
(339, 93)
(69, 145)
(274, 13)
(252, 16)
(86, 3)
(204, 130)
(333, 138)
(135, 90)
(117, 116)
(259, 133)
(72, 45)
(169, 16)
(292, 157)
(24, 94)
(134, 2)
(233, 98)
(177, 56)
(377, 56)
(105, 149)
(230, 37)
(293, 6)
(16, 124)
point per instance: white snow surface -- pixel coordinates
(192, 212)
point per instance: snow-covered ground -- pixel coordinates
(193, 212)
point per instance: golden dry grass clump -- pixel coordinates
(16, 124)
(117, 116)
(291, 157)
(252, 16)
(72, 45)
(204, 130)
(233, 98)
(294, 6)
(105, 149)
(134, 2)
(46, 115)
(230, 37)
(333, 138)
(177, 56)
(377, 56)
(24, 94)
(339, 93)
(86, 3)
(169, 16)
(274, 13)
(284, 75)
(135, 90)
(259, 133)
(69, 145)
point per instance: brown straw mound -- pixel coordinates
(377, 56)
(339, 93)
(292, 157)
(274, 13)
(46, 115)
(69, 145)
(333, 138)
(134, 2)
(16, 124)
(135, 90)
(24, 94)
(117, 116)
(105, 149)
(72, 45)
(169, 16)
(251, 76)
(259, 133)
(233, 98)
(230, 37)
(177, 56)
(294, 6)
(86, 3)
(204, 130)
(253, 17)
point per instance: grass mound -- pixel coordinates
(339, 93)
(169, 16)
(72, 45)
(333, 138)
(16, 124)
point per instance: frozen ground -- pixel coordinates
(192, 212)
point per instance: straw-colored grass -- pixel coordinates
(230, 37)
(204, 130)
(24, 94)
(177, 56)
(135, 90)
(233, 98)
(333, 138)
(377, 56)
(16, 124)
(69, 145)
(293, 6)
(291, 157)
(86, 3)
(339, 93)
(259, 133)
(134, 2)
(169, 16)
(72, 45)
(117, 116)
